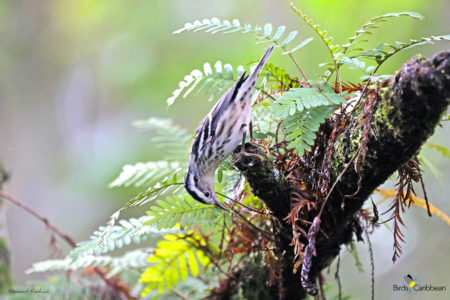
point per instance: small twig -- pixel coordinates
(290, 55)
(425, 195)
(222, 237)
(179, 294)
(124, 294)
(322, 293)
(268, 95)
(372, 264)
(237, 202)
(44, 220)
(336, 182)
(298, 66)
(338, 278)
(364, 91)
(276, 135)
(265, 233)
(217, 265)
(310, 249)
(375, 212)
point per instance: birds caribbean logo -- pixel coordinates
(412, 283)
(409, 281)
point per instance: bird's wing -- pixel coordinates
(218, 110)
(242, 89)
(207, 129)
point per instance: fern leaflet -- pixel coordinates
(185, 211)
(128, 232)
(380, 54)
(151, 194)
(441, 149)
(301, 128)
(327, 40)
(298, 99)
(214, 82)
(148, 173)
(172, 260)
(263, 34)
(372, 24)
(173, 139)
(136, 259)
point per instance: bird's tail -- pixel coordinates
(254, 75)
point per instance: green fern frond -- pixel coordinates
(301, 127)
(184, 211)
(264, 123)
(431, 167)
(265, 34)
(356, 64)
(280, 76)
(49, 265)
(127, 232)
(166, 186)
(297, 99)
(333, 49)
(168, 136)
(372, 24)
(146, 173)
(376, 78)
(380, 54)
(136, 259)
(441, 149)
(214, 82)
(173, 258)
(328, 40)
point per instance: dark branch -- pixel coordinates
(406, 112)
(114, 285)
(266, 181)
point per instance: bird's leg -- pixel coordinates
(243, 143)
(244, 153)
(251, 136)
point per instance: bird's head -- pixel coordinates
(201, 186)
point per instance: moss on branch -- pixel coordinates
(407, 110)
(265, 180)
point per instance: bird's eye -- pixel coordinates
(206, 194)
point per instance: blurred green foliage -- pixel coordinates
(134, 63)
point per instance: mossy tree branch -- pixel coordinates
(406, 112)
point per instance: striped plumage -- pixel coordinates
(219, 134)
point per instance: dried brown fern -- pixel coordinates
(408, 174)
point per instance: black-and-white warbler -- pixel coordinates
(219, 134)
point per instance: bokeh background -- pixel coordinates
(75, 74)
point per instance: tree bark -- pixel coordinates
(405, 113)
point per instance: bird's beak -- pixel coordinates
(219, 204)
